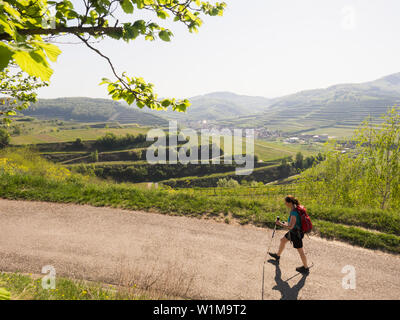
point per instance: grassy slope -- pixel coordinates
(46, 135)
(245, 210)
(339, 132)
(275, 150)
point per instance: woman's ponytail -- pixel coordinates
(291, 199)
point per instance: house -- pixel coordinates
(292, 140)
(321, 138)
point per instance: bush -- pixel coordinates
(4, 138)
(78, 143)
(256, 184)
(111, 141)
(227, 183)
(23, 161)
(16, 130)
(94, 156)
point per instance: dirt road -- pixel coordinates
(197, 258)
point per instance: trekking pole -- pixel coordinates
(273, 234)
(269, 247)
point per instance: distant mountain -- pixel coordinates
(217, 106)
(91, 110)
(339, 105)
(343, 104)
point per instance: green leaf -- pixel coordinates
(164, 35)
(140, 104)
(34, 64)
(51, 50)
(162, 14)
(165, 102)
(127, 6)
(5, 56)
(130, 98)
(11, 113)
(4, 294)
(7, 27)
(130, 32)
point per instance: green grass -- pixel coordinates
(47, 133)
(109, 163)
(358, 236)
(267, 150)
(28, 287)
(261, 212)
(283, 149)
(375, 219)
(338, 132)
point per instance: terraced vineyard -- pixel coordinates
(336, 107)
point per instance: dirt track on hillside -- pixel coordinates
(199, 258)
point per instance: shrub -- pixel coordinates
(94, 156)
(23, 161)
(78, 143)
(4, 138)
(227, 183)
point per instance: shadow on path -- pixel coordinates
(287, 292)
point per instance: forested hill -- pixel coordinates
(89, 109)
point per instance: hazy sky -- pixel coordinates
(259, 47)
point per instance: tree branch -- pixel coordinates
(94, 31)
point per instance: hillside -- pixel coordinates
(91, 110)
(218, 106)
(340, 105)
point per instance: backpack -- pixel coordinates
(306, 224)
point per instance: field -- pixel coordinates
(335, 131)
(53, 131)
(60, 131)
(267, 150)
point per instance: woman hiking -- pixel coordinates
(294, 235)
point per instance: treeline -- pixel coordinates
(286, 168)
(90, 110)
(150, 172)
(263, 174)
(110, 141)
(81, 109)
(299, 164)
(137, 154)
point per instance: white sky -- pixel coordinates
(259, 47)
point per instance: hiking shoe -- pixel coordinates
(274, 255)
(303, 270)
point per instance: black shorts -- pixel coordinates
(295, 236)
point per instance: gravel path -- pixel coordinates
(191, 257)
